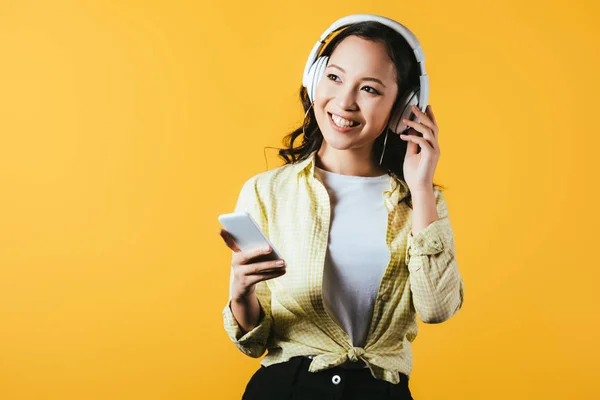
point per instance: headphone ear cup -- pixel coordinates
(403, 110)
(315, 73)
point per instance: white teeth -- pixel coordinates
(341, 122)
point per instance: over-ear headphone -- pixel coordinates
(314, 70)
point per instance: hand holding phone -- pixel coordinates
(246, 233)
(251, 263)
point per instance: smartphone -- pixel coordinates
(247, 234)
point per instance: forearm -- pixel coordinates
(248, 320)
(246, 311)
(436, 285)
(424, 209)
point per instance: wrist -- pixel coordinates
(243, 297)
(428, 191)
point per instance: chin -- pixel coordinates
(339, 142)
(338, 146)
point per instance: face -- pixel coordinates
(359, 84)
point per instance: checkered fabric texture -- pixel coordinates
(292, 208)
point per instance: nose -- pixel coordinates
(345, 98)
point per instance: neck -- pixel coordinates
(355, 162)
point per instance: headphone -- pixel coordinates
(315, 69)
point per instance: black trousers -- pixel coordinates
(291, 380)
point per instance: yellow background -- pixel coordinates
(127, 127)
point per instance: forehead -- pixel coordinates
(358, 56)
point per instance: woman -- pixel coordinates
(368, 245)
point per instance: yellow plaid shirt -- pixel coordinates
(292, 207)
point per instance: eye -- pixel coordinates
(375, 91)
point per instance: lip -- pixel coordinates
(337, 128)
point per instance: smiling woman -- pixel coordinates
(370, 69)
(338, 320)
(363, 90)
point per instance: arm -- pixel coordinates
(248, 321)
(247, 311)
(436, 284)
(254, 341)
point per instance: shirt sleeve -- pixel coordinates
(254, 342)
(436, 284)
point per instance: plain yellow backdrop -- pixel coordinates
(127, 127)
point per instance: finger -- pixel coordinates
(424, 143)
(411, 147)
(427, 133)
(436, 131)
(430, 114)
(417, 127)
(226, 236)
(254, 279)
(250, 254)
(263, 267)
(423, 118)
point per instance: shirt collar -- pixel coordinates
(398, 188)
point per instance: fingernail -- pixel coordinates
(266, 248)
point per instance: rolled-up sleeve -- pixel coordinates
(436, 284)
(254, 342)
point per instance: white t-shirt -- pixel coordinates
(357, 253)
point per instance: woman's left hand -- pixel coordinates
(420, 167)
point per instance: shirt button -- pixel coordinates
(385, 297)
(336, 379)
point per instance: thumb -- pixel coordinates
(226, 236)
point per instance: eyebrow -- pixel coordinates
(366, 79)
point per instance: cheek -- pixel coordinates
(320, 103)
(379, 111)
(374, 112)
(321, 118)
(321, 93)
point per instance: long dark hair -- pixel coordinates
(407, 74)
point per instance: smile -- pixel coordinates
(344, 127)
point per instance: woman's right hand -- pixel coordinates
(246, 273)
